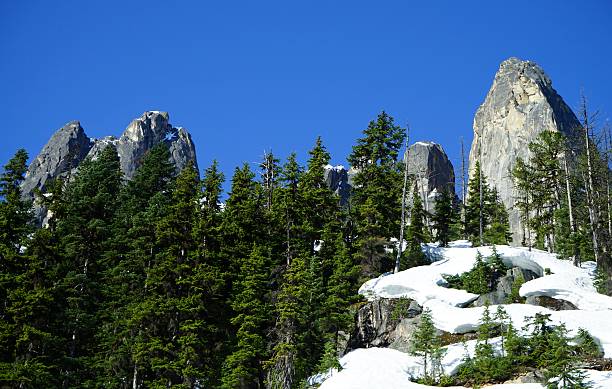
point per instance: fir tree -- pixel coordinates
(244, 368)
(287, 365)
(143, 202)
(426, 344)
(473, 210)
(561, 362)
(444, 217)
(29, 348)
(416, 234)
(85, 231)
(376, 198)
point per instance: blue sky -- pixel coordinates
(244, 77)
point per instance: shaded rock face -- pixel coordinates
(339, 180)
(503, 287)
(520, 104)
(58, 158)
(385, 323)
(434, 172)
(551, 303)
(69, 146)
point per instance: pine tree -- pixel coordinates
(15, 219)
(29, 348)
(540, 338)
(244, 368)
(444, 217)
(473, 210)
(376, 198)
(287, 365)
(484, 354)
(416, 234)
(498, 231)
(143, 202)
(85, 233)
(243, 219)
(561, 362)
(426, 344)
(291, 209)
(318, 199)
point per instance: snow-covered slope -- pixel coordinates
(387, 368)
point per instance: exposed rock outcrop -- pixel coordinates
(58, 158)
(520, 104)
(339, 180)
(69, 146)
(503, 287)
(385, 323)
(434, 172)
(551, 303)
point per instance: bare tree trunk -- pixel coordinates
(568, 189)
(590, 189)
(135, 378)
(403, 220)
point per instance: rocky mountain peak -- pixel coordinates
(520, 104)
(69, 146)
(62, 154)
(434, 172)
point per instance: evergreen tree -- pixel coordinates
(317, 198)
(498, 231)
(473, 210)
(376, 198)
(287, 365)
(561, 362)
(444, 217)
(416, 234)
(85, 232)
(244, 368)
(143, 202)
(29, 348)
(426, 344)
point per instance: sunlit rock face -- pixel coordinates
(520, 104)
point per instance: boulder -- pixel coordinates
(520, 104)
(551, 303)
(434, 172)
(384, 323)
(503, 287)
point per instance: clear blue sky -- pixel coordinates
(244, 77)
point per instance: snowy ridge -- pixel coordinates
(387, 368)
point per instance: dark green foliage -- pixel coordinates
(244, 367)
(514, 296)
(416, 235)
(329, 360)
(586, 344)
(426, 344)
(601, 280)
(400, 309)
(376, 197)
(546, 347)
(444, 217)
(561, 362)
(482, 277)
(485, 207)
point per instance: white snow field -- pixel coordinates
(381, 368)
